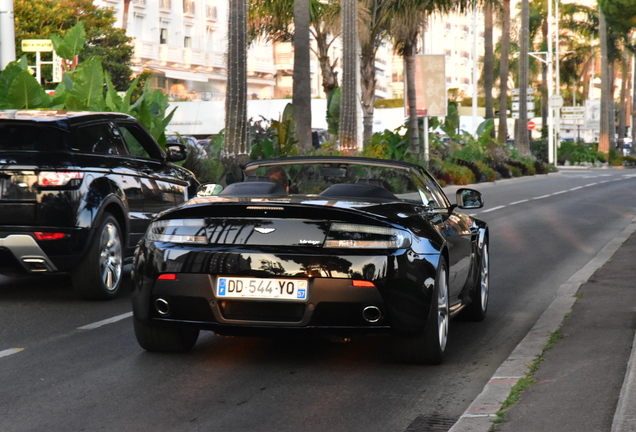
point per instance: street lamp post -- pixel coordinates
(7, 33)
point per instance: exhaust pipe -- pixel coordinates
(372, 314)
(162, 306)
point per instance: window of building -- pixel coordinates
(163, 36)
(139, 26)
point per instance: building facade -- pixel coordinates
(184, 43)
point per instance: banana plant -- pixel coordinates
(19, 89)
(86, 88)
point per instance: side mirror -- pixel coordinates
(208, 189)
(176, 152)
(469, 199)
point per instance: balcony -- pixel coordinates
(215, 61)
(260, 66)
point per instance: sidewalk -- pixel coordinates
(587, 380)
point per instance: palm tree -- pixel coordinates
(372, 18)
(273, 21)
(489, 60)
(604, 139)
(502, 133)
(521, 131)
(124, 22)
(235, 137)
(619, 16)
(302, 75)
(349, 104)
(407, 16)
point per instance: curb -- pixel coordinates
(481, 413)
(625, 416)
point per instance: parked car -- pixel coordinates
(77, 192)
(331, 246)
(193, 145)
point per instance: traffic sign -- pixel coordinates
(515, 91)
(37, 45)
(531, 125)
(556, 101)
(573, 116)
(529, 106)
(573, 109)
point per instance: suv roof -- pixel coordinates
(55, 115)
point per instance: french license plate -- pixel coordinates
(257, 288)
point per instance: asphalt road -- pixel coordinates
(70, 365)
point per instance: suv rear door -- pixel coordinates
(164, 185)
(26, 148)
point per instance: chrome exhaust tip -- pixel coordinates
(162, 306)
(372, 314)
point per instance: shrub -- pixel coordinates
(515, 169)
(578, 152)
(456, 174)
(388, 145)
(615, 158)
(629, 160)
(488, 173)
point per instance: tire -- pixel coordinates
(156, 337)
(478, 307)
(99, 275)
(429, 346)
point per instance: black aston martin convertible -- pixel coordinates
(315, 246)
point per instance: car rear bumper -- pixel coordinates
(22, 253)
(399, 300)
(27, 253)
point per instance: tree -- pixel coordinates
(488, 59)
(236, 95)
(43, 18)
(407, 17)
(502, 134)
(521, 131)
(349, 107)
(372, 26)
(273, 21)
(620, 17)
(302, 75)
(605, 141)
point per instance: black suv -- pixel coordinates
(77, 191)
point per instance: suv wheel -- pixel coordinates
(99, 274)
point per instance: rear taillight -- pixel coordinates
(183, 231)
(49, 235)
(358, 236)
(60, 178)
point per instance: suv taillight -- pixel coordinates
(60, 178)
(49, 235)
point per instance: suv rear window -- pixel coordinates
(31, 136)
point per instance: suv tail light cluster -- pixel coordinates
(60, 178)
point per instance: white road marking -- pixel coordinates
(105, 322)
(560, 192)
(10, 351)
(493, 209)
